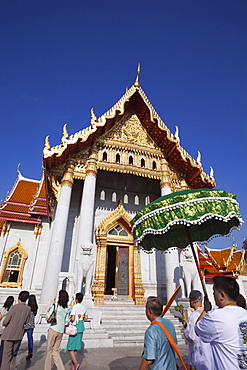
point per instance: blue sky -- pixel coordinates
(60, 58)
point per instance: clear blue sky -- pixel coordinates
(60, 58)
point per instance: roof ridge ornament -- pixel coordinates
(65, 133)
(211, 175)
(47, 143)
(93, 117)
(176, 135)
(137, 84)
(198, 159)
(18, 169)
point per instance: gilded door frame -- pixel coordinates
(136, 289)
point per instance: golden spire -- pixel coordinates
(136, 84)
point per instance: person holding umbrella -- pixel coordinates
(200, 354)
(225, 328)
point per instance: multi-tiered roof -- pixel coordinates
(26, 202)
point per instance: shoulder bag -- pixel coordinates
(52, 318)
(70, 329)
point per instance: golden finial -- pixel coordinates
(65, 133)
(47, 144)
(211, 175)
(136, 84)
(198, 159)
(176, 135)
(18, 169)
(93, 117)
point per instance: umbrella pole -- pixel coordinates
(196, 261)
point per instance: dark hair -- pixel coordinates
(241, 301)
(195, 295)
(227, 285)
(33, 304)
(79, 297)
(154, 304)
(8, 303)
(23, 296)
(63, 298)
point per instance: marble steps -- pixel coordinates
(126, 323)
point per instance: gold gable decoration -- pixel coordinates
(130, 130)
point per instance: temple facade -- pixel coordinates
(72, 228)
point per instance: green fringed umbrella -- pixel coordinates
(181, 218)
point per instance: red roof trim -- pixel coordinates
(14, 213)
(17, 204)
(21, 220)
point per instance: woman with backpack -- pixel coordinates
(55, 332)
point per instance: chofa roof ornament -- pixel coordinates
(137, 84)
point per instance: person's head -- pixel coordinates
(23, 296)
(241, 301)
(32, 303)
(195, 299)
(63, 298)
(8, 303)
(226, 290)
(79, 297)
(154, 307)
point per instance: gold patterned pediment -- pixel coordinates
(130, 130)
(112, 219)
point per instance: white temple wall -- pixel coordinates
(41, 257)
(36, 248)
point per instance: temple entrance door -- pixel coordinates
(117, 270)
(123, 271)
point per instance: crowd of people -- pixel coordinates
(217, 338)
(18, 319)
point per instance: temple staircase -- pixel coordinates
(126, 323)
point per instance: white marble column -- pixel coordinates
(84, 248)
(172, 268)
(58, 233)
(172, 271)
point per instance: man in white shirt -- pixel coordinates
(225, 328)
(200, 353)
